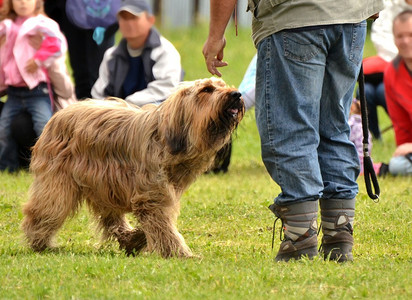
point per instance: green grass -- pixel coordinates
(225, 220)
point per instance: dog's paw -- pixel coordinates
(133, 242)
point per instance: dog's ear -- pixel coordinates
(176, 133)
(176, 139)
(175, 122)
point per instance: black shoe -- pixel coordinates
(383, 170)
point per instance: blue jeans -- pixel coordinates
(400, 165)
(37, 103)
(304, 89)
(375, 96)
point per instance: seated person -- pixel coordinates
(144, 67)
(401, 162)
(374, 67)
(398, 87)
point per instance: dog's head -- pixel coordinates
(201, 114)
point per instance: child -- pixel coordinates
(144, 67)
(356, 131)
(23, 70)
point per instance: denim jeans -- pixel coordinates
(400, 165)
(37, 103)
(375, 96)
(304, 89)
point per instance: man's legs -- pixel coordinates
(290, 97)
(337, 156)
(288, 91)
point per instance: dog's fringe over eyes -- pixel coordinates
(120, 159)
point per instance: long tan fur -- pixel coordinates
(121, 159)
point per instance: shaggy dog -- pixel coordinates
(122, 159)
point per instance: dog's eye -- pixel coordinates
(207, 89)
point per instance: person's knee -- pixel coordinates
(400, 165)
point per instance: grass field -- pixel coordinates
(225, 220)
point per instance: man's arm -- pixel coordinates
(220, 13)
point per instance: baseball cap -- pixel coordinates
(135, 7)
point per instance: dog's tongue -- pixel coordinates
(233, 111)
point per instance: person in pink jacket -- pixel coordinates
(23, 70)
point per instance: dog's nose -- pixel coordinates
(235, 94)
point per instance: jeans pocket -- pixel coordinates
(358, 41)
(302, 45)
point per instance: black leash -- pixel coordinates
(369, 172)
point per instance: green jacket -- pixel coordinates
(271, 16)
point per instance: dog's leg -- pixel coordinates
(47, 209)
(161, 233)
(115, 225)
(132, 241)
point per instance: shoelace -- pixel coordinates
(274, 229)
(321, 244)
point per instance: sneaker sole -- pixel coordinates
(296, 255)
(340, 252)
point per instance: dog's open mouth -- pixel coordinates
(233, 112)
(236, 104)
(235, 108)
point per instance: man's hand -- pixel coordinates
(220, 13)
(374, 17)
(213, 53)
(31, 66)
